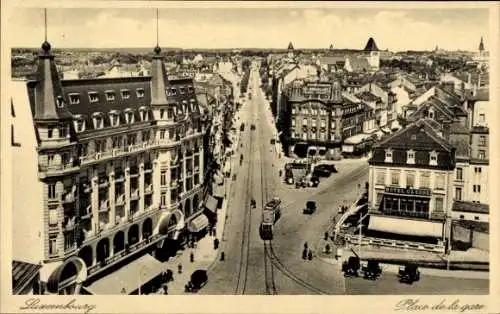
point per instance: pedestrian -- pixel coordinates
(165, 288)
(222, 256)
(304, 254)
(216, 244)
(326, 235)
(305, 246)
(179, 268)
(191, 257)
(310, 255)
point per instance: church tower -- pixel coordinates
(481, 48)
(372, 54)
(290, 50)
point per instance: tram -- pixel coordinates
(270, 214)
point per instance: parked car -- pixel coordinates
(372, 270)
(314, 182)
(310, 208)
(252, 127)
(199, 279)
(320, 172)
(409, 273)
(351, 267)
(328, 167)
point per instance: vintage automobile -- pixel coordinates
(409, 273)
(252, 127)
(372, 270)
(199, 278)
(351, 267)
(310, 208)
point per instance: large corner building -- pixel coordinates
(118, 165)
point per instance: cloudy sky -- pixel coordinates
(393, 28)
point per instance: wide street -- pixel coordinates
(247, 269)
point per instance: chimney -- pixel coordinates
(469, 78)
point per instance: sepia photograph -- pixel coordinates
(228, 149)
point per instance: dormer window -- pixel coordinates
(143, 112)
(431, 113)
(79, 124)
(59, 102)
(110, 95)
(410, 157)
(140, 92)
(173, 91)
(433, 158)
(98, 121)
(191, 89)
(388, 155)
(114, 118)
(74, 99)
(129, 116)
(182, 90)
(125, 94)
(93, 97)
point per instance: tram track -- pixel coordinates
(268, 262)
(241, 282)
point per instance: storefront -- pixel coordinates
(406, 202)
(410, 229)
(356, 145)
(198, 226)
(141, 276)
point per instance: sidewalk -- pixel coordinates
(205, 255)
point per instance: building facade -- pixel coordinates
(410, 188)
(120, 166)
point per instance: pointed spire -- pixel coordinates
(481, 44)
(371, 45)
(158, 73)
(50, 102)
(290, 46)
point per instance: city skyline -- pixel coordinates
(223, 28)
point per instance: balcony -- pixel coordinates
(134, 194)
(86, 187)
(134, 171)
(148, 189)
(196, 169)
(120, 200)
(70, 225)
(87, 214)
(174, 184)
(57, 169)
(104, 206)
(390, 212)
(148, 167)
(437, 215)
(103, 182)
(119, 177)
(69, 197)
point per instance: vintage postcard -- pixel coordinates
(153, 150)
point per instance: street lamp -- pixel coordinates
(360, 234)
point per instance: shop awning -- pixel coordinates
(197, 224)
(411, 227)
(211, 203)
(127, 279)
(357, 139)
(218, 190)
(165, 226)
(47, 270)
